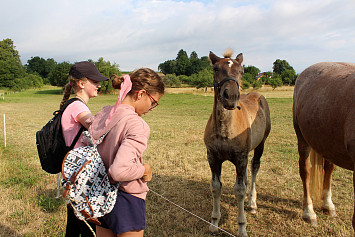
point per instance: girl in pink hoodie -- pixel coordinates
(123, 147)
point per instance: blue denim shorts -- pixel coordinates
(129, 213)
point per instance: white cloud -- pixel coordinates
(145, 33)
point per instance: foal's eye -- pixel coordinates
(216, 69)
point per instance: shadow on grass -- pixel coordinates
(7, 231)
(48, 202)
(49, 92)
(167, 219)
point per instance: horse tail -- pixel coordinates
(316, 177)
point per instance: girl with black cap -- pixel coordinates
(84, 79)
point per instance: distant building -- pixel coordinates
(260, 75)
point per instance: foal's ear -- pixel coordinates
(239, 58)
(213, 58)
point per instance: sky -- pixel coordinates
(137, 33)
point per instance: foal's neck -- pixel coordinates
(222, 119)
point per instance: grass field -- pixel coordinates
(176, 152)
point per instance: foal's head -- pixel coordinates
(227, 75)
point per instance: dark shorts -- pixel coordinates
(129, 213)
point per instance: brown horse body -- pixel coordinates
(237, 125)
(324, 122)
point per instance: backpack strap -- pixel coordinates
(68, 103)
(77, 137)
(102, 138)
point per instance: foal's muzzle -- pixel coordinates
(226, 97)
(218, 85)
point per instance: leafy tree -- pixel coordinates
(168, 67)
(193, 55)
(106, 69)
(254, 71)
(195, 63)
(248, 77)
(245, 85)
(185, 79)
(28, 81)
(286, 72)
(257, 84)
(205, 63)
(281, 65)
(288, 76)
(10, 64)
(40, 66)
(274, 81)
(203, 79)
(183, 64)
(59, 75)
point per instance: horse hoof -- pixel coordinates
(330, 212)
(213, 228)
(313, 222)
(252, 210)
(242, 234)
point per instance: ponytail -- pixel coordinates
(71, 85)
(116, 81)
(67, 92)
(142, 79)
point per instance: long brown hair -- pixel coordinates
(142, 79)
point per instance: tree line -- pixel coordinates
(184, 70)
(195, 71)
(39, 71)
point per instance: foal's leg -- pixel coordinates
(255, 165)
(216, 189)
(328, 205)
(240, 192)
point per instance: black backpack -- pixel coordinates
(51, 144)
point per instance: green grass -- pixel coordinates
(177, 154)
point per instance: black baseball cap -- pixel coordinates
(86, 69)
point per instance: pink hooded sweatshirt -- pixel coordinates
(123, 147)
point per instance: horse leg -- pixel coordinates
(304, 168)
(255, 165)
(328, 205)
(353, 221)
(240, 193)
(216, 189)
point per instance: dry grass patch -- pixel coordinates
(181, 173)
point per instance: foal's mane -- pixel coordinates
(228, 53)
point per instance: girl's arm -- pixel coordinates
(85, 118)
(127, 165)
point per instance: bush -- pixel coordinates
(202, 79)
(257, 84)
(185, 79)
(275, 81)
(248, 78)
(29, 81)
(171, 80)
(245, 85)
